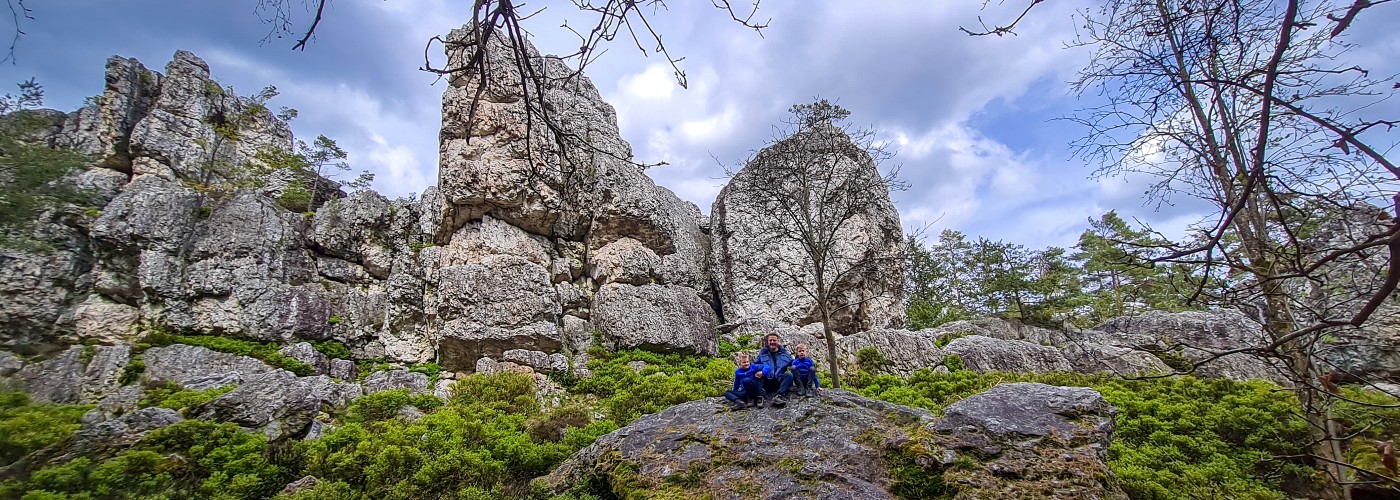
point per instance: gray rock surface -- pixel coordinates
(279, 403)
(839, 445)
(9, 363)
(906, 351)
(194, 367)
(121, 432)
(81, 374)
(758, 264)
(389, 380)
(1034, 440)
(1199, 335)
(655, 317)
(344, 369)
(985, 354)
(306, 353)
(1097, 358)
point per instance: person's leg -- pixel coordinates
(734, 396)
(753, 390)
(784, 383)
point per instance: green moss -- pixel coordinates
(132, 371)
(912, 481)
(953, 362)
(943, 341)
(265, 352)
(332, 349)
(177, 398)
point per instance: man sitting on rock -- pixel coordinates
(776, 362)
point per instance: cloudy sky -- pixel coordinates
(972, 118)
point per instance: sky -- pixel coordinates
(973, 120)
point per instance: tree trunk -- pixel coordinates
(830, 345)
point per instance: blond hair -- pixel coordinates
(741, 356)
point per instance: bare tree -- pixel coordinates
(813, 196)
(1254, 106)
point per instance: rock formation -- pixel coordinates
(1014, 441)
(758, 260)
(548, 236)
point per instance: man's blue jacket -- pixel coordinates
(775, 364)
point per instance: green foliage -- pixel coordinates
(943, 341)
(384, 405)
(26, 427)
(1178, 437)
(953, 362)
(333, 349)
(31, 173)
(133, 370)
(915, 481)
(296, 197)
(869, 359)
(740, 343)
(626, 394)
(191, 459)
(180, 399)
(267, 352)
(478, 446)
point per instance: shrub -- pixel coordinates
(26, 427)
(386, 404)
(177, 398)
(333, 349)
(133, 370)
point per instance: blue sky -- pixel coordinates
(972, 119)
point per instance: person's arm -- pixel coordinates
(737, 376)
(817, 381)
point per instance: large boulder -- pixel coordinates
(548, 236)
(906, 351)
(1034, 441)
(841, 445)
(655, 317)
(81, 374)
(758, 258)
(986, 354)
(194, 367)
(1197, 335)
(279, 403)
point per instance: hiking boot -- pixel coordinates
(779, 401)
(737, 405)
(759, 403)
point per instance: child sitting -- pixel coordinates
(804, 373)
(748, 386)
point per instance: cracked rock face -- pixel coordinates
(758, 259)
(543, 242)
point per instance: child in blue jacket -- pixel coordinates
(748, 384)
(804, 373)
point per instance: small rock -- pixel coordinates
(344, 369)
(300, 485)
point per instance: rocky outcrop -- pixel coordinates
(1195, 336)
(1035, 440)
(841, 445)
(81, 374)
(758, 258)
(279, 403)
(986, 354)
(120, 432)
(906, 351)
(389, 380)
(546, 240)
(194, 367)
(655, 317)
